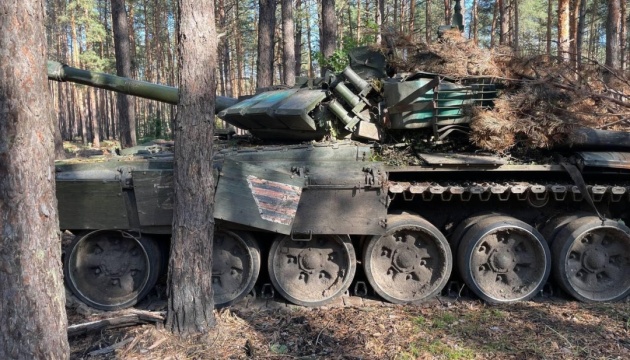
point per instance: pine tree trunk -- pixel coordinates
(298, 39)
(612, 37)
(447, 12)
(623, 33)
(493, 26)
(32, 299)
(573, 27)
(579, 41)
(475, 23)
(428, 21)
(412, 19)
(549, 21)
(266, 31)
(226, 78)
(311, 70)
(190, 295)
(238, 40)
(329, 31)
(380, 13)
(126, 111)
(563, 29)
(515, 38)
(288, 43)
(504, 22)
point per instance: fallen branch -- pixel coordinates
(135, 317)
(110, 348)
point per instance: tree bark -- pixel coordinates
(225, 51)
(266, 30)
(428, 21)
(549, 18)
(623, 33)
(475, 23)
(573, 28)
(493, 26)
(579, 41)
(311, 70)
(288, 43)
(563, 29)
(412, 19)
(329, 31)
(504, 22)
(380, 13)
(298, 39)
(190, 295)
(515, 38)
(32, 299)
(612, 37)
(126, 112)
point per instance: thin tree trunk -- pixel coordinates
(549, 20)
(123, 68)
(224, 45)
(190, 295)
(493, 27)
(579, 41)
(563, 29)
(288, 43)
(328, 40)
(475, 22)
(380, 14)
(32, 299)
(266, 31)
(428, 21)
(238, 40)
(412, 19)
(612, 37)
(359, 14)
(515, 39)
(447, 12)
(573, 27)
(96, 140)
(504, 23)
(298, 39)
(311, 71)
(623, 33)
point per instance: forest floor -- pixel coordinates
(363, 328)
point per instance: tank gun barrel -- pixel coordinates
(168, 94)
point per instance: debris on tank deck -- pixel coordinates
(541, 99)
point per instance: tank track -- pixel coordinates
(504, 191)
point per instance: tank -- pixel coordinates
(333, 202)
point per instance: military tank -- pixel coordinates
(316, 199)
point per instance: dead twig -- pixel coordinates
(134, 317)
(110, 348)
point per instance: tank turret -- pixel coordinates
(168, 94)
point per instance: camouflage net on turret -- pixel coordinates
(542, 98)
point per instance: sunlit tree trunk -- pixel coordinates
(504, 22)
(288, 43)
(579, 40)
(493, 27)
(33, 321)
(563, 29)
(328, 40)
(190, 296)
(613, 21)
(126, 112)
(266, 32)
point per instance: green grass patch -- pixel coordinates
(437, 349)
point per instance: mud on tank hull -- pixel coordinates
(312, 214)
